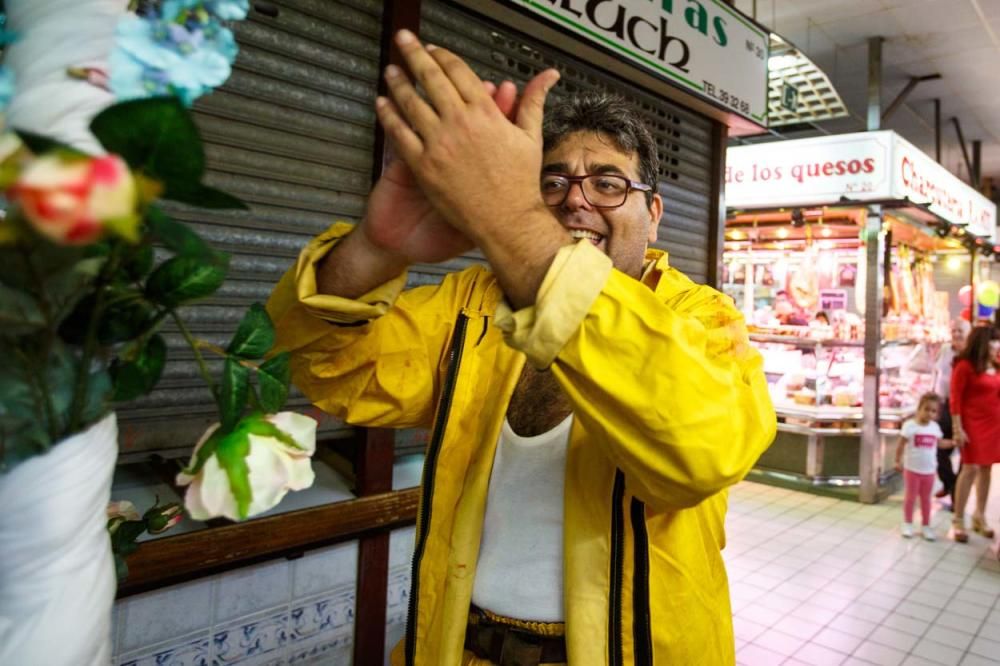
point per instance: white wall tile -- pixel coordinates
(325, 569)
(252, 590)
(401, 546)
(155, 617)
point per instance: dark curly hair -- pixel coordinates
(607, 114)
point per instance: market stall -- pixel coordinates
(831, 252)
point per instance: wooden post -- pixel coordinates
(374, 463)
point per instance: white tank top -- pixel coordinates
(520, 569)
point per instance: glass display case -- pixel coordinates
(803, 284)
(817, 390)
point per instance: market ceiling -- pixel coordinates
(958, 39)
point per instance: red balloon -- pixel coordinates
(965, 296)
(966, 314)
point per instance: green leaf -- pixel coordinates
(156, 136)
(120, 322)
(139, 262)
(274, 376)
(204, 196)
(138, 376)
(204, 452)
(233, 392)
(99, 393)
(255, 334)
(23, 428)
(232, 454)
(24, 424)
(178, 238)
(126, 534)
(65, 288)
(184, 279)
(121, 569)
(19, 312)
(259, 425)
(39, 144)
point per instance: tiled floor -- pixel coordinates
(822, 581)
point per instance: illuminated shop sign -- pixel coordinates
(703, 46)
(866, 166)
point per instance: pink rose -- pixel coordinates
(73, 200)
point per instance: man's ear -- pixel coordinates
(655, 213)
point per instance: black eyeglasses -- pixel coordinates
(599, 190)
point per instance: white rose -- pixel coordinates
(274, 469)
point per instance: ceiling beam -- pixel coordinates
(907, 89)
(961, 143)
(874, 83)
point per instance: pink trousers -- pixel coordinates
(917, 485)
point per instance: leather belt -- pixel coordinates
(506, 645)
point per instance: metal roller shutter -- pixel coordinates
(292, 134)
(684, 138)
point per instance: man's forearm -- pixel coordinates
(520, 255)
(354, 267)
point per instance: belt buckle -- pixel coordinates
(519, 650)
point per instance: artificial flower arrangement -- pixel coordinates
(83, 294)
(82, 300)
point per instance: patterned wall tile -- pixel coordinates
(322, 630)
(397, 606)
(190, 653)
(333, 613)
(256, 642)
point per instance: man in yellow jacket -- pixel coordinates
(589, 404)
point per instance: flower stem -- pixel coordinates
(195, 347)
(41, 369)
(90, 341)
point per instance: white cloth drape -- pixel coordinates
(55, 35)
(57, 578)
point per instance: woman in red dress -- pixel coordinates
(975, 410)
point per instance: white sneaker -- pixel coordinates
(928, 533)
(906, 530)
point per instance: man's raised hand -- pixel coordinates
(476, 167)
(400, 220)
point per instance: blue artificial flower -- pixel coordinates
(228, 10)
(196, 74)
(6, 87)
(159, 54)
(142, 40)
(171, 9)
(132, 79)
(221, 40)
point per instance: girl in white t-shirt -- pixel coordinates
(916, 457)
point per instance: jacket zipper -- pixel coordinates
(617, 571)
(642, 636)
(430, 464)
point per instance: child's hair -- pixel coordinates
(929, 397)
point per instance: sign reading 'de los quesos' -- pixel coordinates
(703, 46)
(865, 166)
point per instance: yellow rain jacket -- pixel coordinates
(671, 407)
